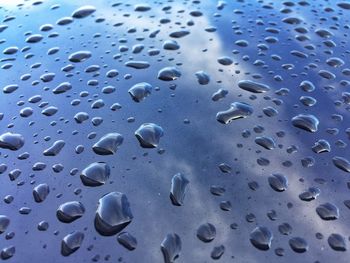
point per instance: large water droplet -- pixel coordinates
(337, 242)
(113, 214)
(328, 211)
(306, 122)
(7, 252)
(108, 144)
(95, 174)
(148, 135)
(11, 141)
(70, 211)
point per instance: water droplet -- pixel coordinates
(308, 101)
(95, 174)
(220, 94)
(278, 182)
(266, 142)
(79, 56)
(83, 11)
(285, 229)
(11, 141)
(55, 148)
(113, 214)
(127, 240)
(179, 184)
(108, 144)
(306, 122)
(252, 86)
(202, 77)
(10, 50)
(169, 73)
(217, 252)
(70, 211)
(326, 74)
(40, 192)
(140, 91)
(341, 163)
(328, 211)
(225, 168)
(64, 21)
(4, 223)
(310, 194)
(7, 252)
(279, 252)
(344, 5)
(50, 111)
(71, 243)
(335, 62)
(171, 247)
(225, 61)
(179, 34)
(270, 111)
(34, 38)
(10, 88)
(217, 190)
(292, 20)
(337, 242)
(137, 64)
(148, 135)
(261, 238)
(307, 86)
(225, 205)
(61, 88)
(142, 8)
(80, 117)
(43, 226)
(298, 244)
(206, 232)
(26, 112)
(321, 146)
(236, 111)
(171, 45)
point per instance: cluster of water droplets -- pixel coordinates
(175, 127)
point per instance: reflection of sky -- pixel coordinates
(195, 149)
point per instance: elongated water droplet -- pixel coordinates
(179, 184)
(171, 247)
(236, 111)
